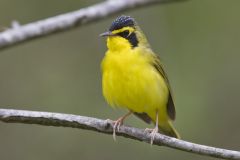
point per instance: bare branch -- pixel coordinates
(70, 20)
(105, 126)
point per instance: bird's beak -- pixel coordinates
(106, 34)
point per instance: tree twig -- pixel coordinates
(105, 126)
(16, 35)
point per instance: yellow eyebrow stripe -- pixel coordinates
(130, 29)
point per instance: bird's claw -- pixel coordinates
(116, 126)
(152, 132)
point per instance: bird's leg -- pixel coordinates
(153, 131)
(118, 123)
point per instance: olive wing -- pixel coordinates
(170, 104)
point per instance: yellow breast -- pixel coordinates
(130, 81)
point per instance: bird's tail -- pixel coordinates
(168, 129)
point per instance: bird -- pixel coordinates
(133, 78)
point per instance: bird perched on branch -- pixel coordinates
(133, 78)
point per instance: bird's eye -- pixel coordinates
(124, 34)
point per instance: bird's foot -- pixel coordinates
(116, 126)
(118, 123)
(152, 132)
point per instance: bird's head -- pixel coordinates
(124, 33)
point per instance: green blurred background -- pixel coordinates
(198, 41)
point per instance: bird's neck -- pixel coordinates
(118, 44)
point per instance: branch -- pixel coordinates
(19, 34)
(105, 126)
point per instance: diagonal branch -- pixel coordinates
(19, 34)
(105, 126)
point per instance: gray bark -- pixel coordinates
(105, 126)
(18, 34)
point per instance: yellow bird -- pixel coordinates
(133, 78)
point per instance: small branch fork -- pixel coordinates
(106, 126)
(18, 34)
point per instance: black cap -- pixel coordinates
(122, 21)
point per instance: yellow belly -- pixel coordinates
(131, 82)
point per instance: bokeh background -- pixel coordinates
(198, 41)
